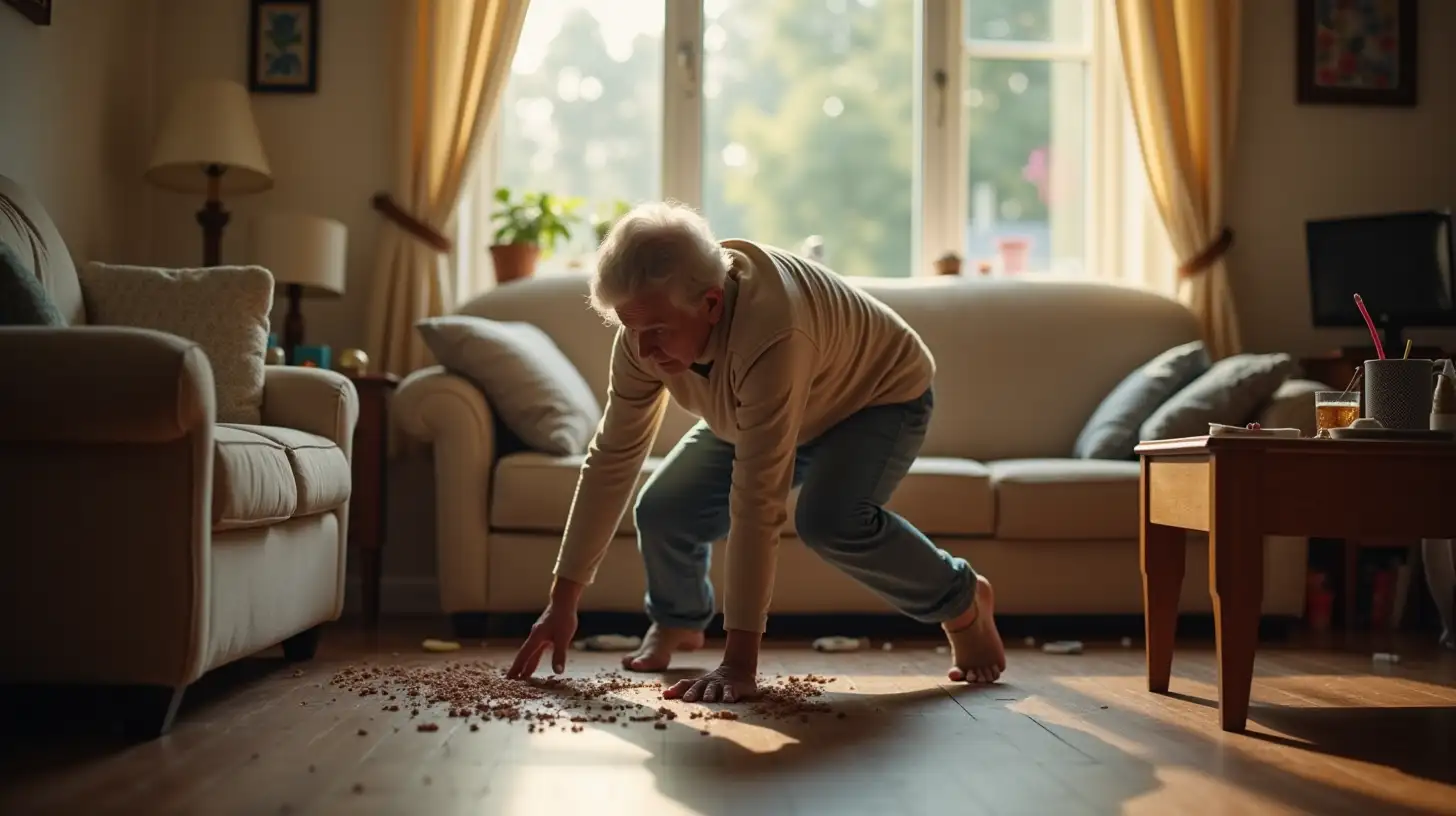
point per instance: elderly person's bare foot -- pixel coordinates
(658, 646)
(977, 653)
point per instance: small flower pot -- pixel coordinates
(514, 262)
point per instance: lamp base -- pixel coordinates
(293, 324)
(213, 218)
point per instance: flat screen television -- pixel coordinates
(1399, 263)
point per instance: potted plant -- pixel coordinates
(602, 223)
(528, 229)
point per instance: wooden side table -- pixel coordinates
(1240, 489)
(368, 516)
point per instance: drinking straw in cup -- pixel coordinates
(1370, 324)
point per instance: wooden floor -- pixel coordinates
(1331, 732)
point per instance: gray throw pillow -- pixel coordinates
(1229, 393)
(23, 299)
(537, 392)
(1112, 432)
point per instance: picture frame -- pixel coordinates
(1356, 52)
(283, 46)
(37, 11)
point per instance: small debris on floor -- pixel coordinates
(1029, 642)
(887, 646)
(942, 650)
(1127, 643)
(358, 787)
(838, 643)
(1386, 657)
(433, 645)
(298, 672)
(427, 727)
(1064, 647)
(607, 643)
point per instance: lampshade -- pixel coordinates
(301, 249)
(210, 122)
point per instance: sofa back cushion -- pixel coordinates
(1021, 364)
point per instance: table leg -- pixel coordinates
(1236, 581)
(1164, 551)
(370, 576)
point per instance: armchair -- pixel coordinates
(145, 543)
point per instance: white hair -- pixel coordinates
(655, 247)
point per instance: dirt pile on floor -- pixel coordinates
(478, 690)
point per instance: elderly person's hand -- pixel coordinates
(725, 684)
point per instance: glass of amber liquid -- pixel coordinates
(1335, 409)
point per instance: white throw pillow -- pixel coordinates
(529, 383)
(223, 309)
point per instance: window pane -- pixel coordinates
(809, 127)
(582, 113)
(1062, 21)
(1028, 145)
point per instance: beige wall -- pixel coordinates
(1299, 162)
(76, 117)
(330, 152)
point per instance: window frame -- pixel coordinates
(941, 190)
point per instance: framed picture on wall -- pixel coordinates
(1356, 52)
(283, 38)
(37, 11)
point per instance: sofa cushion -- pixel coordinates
(264, 475)
(1228, 393)
(1089, 499)
(1112, 431)
(224, 309)
(536, 391)
(532, 492)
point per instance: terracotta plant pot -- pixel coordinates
(514, 262)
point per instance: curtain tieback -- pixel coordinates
(1208, 256)
(396, 214)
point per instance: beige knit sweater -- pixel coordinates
(797, 351)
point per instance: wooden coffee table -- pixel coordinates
(1240, 489)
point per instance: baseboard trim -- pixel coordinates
(399, 596)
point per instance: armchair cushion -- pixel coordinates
(222, 309)
(264, 475)
(23, 300)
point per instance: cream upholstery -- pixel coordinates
(143, 542)
(1021, 365)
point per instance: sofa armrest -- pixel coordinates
(321, 402)
(106, 454)
(435, 406)
(1292, 406)
(97, 384)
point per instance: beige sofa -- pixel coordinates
(145, 544)
(1021, 366)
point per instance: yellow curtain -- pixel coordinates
(458, 56)
(1181, 59)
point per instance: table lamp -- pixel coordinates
(306, 255)
(209, 144)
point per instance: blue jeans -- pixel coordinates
(845, 477)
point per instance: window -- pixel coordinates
(877, 134)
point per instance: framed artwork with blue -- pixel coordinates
(283, 46)
(1356, 52)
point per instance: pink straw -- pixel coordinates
(1370, 324)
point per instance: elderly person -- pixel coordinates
(800, 380)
